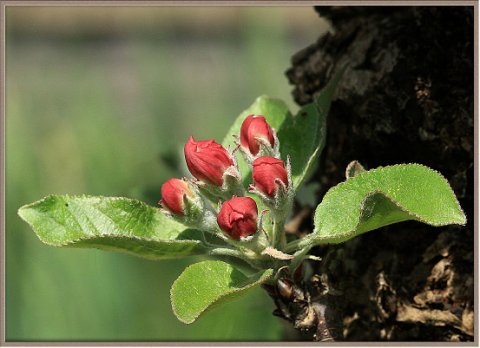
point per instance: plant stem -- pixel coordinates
(309, 308)
(279, 239)
(299, 244)
(299, 256)
(232, 253)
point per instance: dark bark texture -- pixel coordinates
(406, 97)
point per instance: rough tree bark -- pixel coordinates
(406, 97)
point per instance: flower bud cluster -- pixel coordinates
(214, 199)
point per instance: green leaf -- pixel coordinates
(384, 196)
(302, 137)
(209, 283)
(110, 223)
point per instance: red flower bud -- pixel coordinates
(253, 128)
(207, 160)
(173, 192)
(238, 217)
(266, 173)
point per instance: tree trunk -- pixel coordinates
(407, 96)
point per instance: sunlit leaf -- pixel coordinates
(110, 223)
(384, 196)
(302, 137)
(209, 283)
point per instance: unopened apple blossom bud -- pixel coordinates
(238, 217)
(174, 192)
(207, 160)
(268, 175)
(254, 132)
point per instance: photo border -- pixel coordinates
(281, 3)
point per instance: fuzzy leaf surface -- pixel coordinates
(384, 196)
(110, 223)
(210, 283)
(302, 136)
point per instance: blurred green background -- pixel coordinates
(100, 100)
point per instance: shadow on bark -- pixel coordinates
(407, 97)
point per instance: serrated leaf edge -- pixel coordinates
(126, 251)
(73, 241)
(307, 166)
(369, 194)
(352, 233)
(267, 274)
(174, 241)
(83, 196)
(329, 88)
